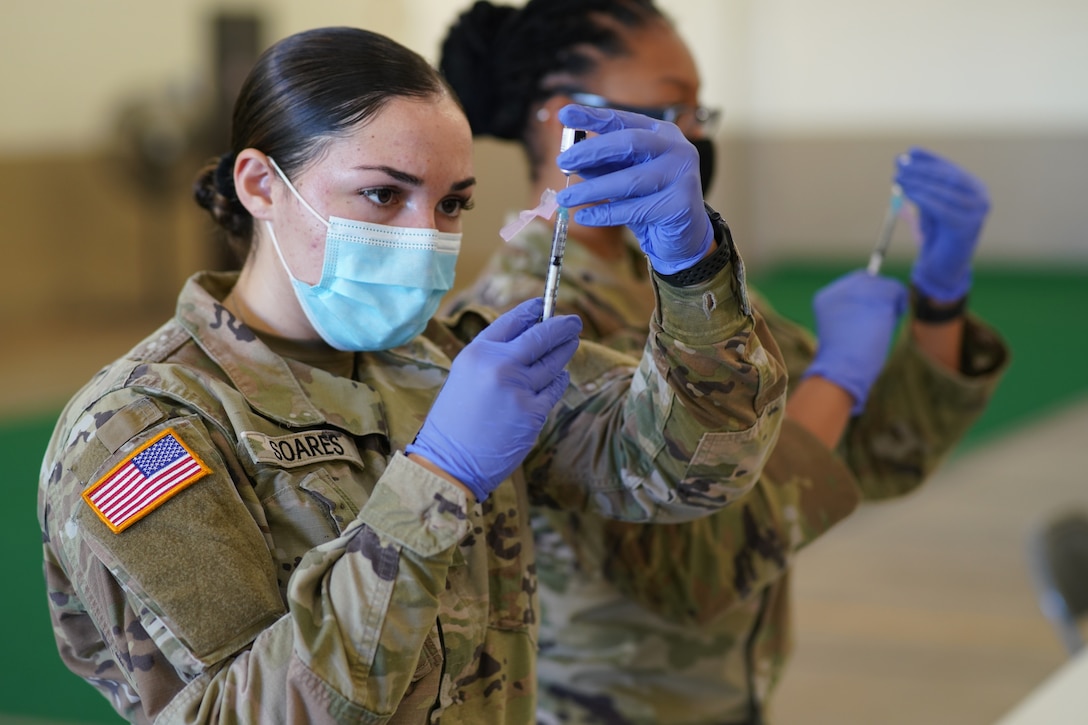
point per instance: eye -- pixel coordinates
(381, 196)
(454, 205)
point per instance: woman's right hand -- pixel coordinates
(641, 173)
(501, 387)
(856, 317)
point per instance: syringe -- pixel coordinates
(571, 136)
(876, 259)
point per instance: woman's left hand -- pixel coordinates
(642, 173)
(952, 206)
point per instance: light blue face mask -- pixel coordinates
(379, 284)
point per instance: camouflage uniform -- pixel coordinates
(689, 623)
(315, 574)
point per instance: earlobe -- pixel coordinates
(253, 182)
(548, 113)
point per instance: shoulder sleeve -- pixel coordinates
(696, 571)
(797, 343)
(191, 618)
(145, 528)
(682, 432)
(362, 616)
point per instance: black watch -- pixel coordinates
(926, 310)
(709, 266)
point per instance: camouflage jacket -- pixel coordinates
(689, 623)
(288, 564)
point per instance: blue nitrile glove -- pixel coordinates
(856, 316)
(643, 173)
(952, 205)
(500, 390)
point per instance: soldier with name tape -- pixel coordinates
(303, 499)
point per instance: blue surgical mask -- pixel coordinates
(379, 284)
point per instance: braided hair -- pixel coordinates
(498, 58)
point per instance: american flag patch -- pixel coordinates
(144, 480)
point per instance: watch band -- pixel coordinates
(926, 310)
(707, 267)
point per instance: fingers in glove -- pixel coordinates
(862, 286)
(514, 321)
(605, 120)
(652, 176)
(551, 393)
(543, 353)
(930, 170)
(948, 207)
(631, 212)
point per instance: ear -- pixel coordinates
(545, 133)
(253, 176)
(547, 114)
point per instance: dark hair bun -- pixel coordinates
(214, 191)
(473, 64)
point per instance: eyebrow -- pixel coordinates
(413, 180)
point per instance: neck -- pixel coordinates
(265, 301)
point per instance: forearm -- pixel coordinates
(421, 461)
(937, 330)
(702, 569)
(919, 409)
(691, 430)
(364, 603)
(821, 407)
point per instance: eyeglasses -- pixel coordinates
(686, 117)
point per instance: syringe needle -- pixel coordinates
(559, 237)
(876, 259)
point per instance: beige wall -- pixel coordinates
(789, 196)
(789, 67)
(819, 99)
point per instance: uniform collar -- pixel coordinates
(289, 392)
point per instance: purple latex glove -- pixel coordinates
(642, 173)
(856, 316)
(952, 206)
(500, 390)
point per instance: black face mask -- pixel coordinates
(705, 147)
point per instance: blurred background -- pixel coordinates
(919, 610)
